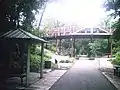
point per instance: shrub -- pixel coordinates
(116, 61)
(34, 62)
(62, 61)
(67, 61)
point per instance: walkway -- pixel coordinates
(83, 76)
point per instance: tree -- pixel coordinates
(18, 13)
(106, 22)
(98, 47)
(114, 7)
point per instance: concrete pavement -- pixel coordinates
(84, 75)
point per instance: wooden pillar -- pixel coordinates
(73, 47)
(27, 55)
(108, 47)
(60, 47)
(91, 39)
(57, 45)
(111, 46)
(41, 63)
(46, 46)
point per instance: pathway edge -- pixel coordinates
(111, 81)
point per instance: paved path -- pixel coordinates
(48, 80)
(83, 76)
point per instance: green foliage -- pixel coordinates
(33, 49)
(98, 47)
(47, 56)
(62, 61)
(39, 33)
(114, 5)
(18, 13)
(116, 34)
(34, 62)
(116, 46)
(35, 57)
(52, 48)
(82, 46)
(116, 61)
(93, 49)
(66, 61)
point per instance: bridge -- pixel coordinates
(78, 32)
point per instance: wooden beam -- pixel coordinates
(42, 57)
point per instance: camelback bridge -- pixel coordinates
(78, 32)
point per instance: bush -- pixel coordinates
(47, 56)
(67, 61)
(116, 61)
(36, 59)
(52, 48)
(62, 61)
(34, 62)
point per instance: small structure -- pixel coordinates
(15, 54)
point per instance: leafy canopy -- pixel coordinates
(18, 13)
(114, 7)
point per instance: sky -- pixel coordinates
(80, 12)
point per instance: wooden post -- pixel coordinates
(111, 46)
(41, 63)
(60, 47)
(27, 54)
(56, 45)
(108, 47)
(91, 39)
(46, 46)
(73, 47)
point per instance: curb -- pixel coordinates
(110, 80)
